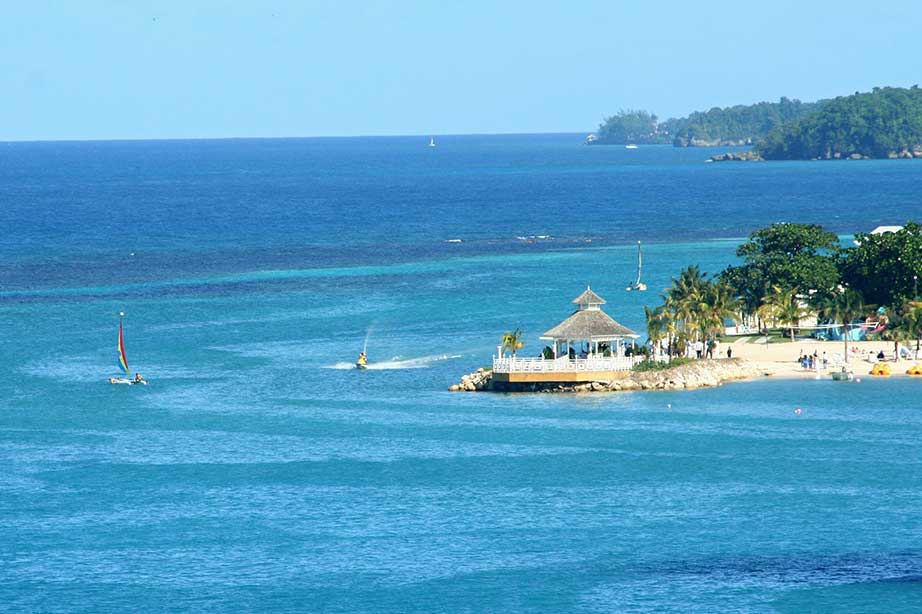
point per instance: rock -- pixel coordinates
(742, 156)
(855, 156)
(454, 388)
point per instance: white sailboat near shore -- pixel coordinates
(638, 285)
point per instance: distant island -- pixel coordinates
(731, 126)
(883, 123)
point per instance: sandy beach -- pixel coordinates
(780, 359)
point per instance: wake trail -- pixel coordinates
(421, 362)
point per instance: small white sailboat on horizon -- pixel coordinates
(638, 285)
(432, 141)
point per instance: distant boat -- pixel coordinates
(590, 139)
(638, 285)
(431, 141)
(123, 358)
(630, 146)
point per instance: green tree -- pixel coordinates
(912, 320)
(683, 298)
(897, 331)
(718, 303)
(512, 340)
(844, 306)
(885, 122)
(781, 306)
(740, 123)
(693, 307)
(657, 325)
(885, 268)
(791, 313)
(630, 126)
(788, 256)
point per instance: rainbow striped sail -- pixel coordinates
(122, 357)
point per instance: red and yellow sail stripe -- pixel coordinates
(122, 357)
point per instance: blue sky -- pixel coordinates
(94, 69)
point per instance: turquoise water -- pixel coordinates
(257, 472)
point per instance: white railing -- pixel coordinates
(509, 364)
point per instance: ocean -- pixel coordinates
(259, 472)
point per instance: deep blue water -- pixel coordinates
(257, 473)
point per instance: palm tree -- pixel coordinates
(898, 334)
(912, 320)
(670, 321)
(656, 326)
(773, 304)
(718, 304)
(684, 297)
(844, 307)
(513, 341)
(791, 314)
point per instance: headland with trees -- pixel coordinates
(883, 123)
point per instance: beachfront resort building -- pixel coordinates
(588, 346)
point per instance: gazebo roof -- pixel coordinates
(589, 325)
(588, 297)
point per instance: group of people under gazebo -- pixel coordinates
(588, 338)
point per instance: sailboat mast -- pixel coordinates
(639, 263)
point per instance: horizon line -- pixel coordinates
(422, 135)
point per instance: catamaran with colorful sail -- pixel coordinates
(123, 358)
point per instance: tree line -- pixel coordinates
(885, 122)
(789, 272)
(740, 123)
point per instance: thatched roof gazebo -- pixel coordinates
(591, 326)
(589, 343)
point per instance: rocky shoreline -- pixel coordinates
(699, 374)
(740, 156)
(754, 156)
